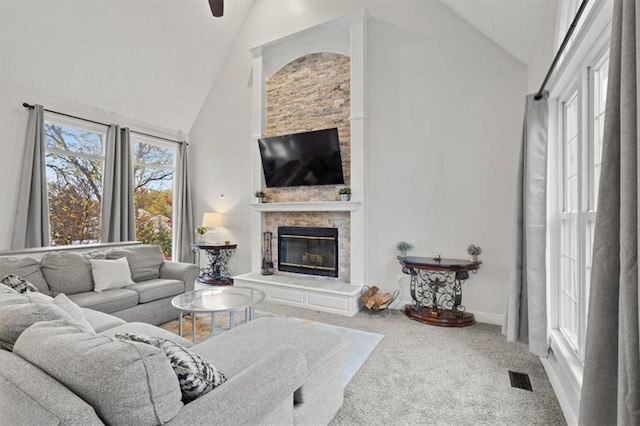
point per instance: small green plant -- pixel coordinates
(202, 230)
(260, 194)
(474, 250)
(345, 191)
(403, 247)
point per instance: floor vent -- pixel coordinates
(520, 380)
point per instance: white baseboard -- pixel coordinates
(484, 317)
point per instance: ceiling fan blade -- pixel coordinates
(217, 7)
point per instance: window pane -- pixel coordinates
(569, 280)
(153, 194)
(74, 159)
(571, 141)
(600, 78)
(146, 153)
(73, 140)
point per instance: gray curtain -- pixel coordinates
(183, 230)
(526, 317)
(31, 227)
(118, 221)
(611, 381)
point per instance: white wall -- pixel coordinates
(544, 51)
(445, 109)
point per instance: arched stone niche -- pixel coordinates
(311, 93)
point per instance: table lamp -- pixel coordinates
(212, 220)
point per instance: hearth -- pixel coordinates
(308, 250)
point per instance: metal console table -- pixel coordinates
(436, 290)
(217, 270)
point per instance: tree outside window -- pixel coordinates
(74, 158)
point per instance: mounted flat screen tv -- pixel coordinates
(302, 159)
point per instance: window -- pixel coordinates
(74, 153)
(581, 111)
(154, 163)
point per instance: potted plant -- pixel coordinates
(403, 247)
(260, 195)
(201, 230)
(345, 193)
(474, 251)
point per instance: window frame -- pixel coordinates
(54, 118)
(583, 83)
(151, 140)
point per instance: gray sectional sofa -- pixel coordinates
(62, 364)
(156, 281)
(279, 372)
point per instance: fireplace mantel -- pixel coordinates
(308, 206)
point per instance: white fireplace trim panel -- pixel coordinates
(322, 294)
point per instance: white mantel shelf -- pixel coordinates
(308, 206)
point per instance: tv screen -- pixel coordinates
(302, 159)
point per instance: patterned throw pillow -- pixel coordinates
(18, 284)
(196, 375)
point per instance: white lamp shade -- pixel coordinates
(212, 220)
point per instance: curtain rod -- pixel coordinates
(565, 41)
(26, 105)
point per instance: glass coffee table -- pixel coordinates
(212, 301)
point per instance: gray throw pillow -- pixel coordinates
(144, 260)
(27, 268)
(18, 284)
(74, 310)
(196, 375)
(127, 383)
(20, 311)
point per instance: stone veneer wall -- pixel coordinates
(340, 220)
(312, 93)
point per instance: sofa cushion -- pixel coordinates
(109, 274)
(106, 301)
(101, 321)
(144, 260)
(72, 309)
(196, 375)
(19, 284)
(263, 335)
(125, 382)
(18, 312)
(159, 288)
(27, 268)
(67, 272)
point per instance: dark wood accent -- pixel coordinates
(438, 282)
(217, 271)
(438, 265)
(440, 317)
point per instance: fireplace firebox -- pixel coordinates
(308, 250)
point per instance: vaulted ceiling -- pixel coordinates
(155, 60)
(152, 60)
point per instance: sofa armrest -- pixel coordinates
(251, 394)
(185, 272)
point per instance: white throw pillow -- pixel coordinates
(74, 310)
(110, 274)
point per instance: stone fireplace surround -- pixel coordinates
(344, 36)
